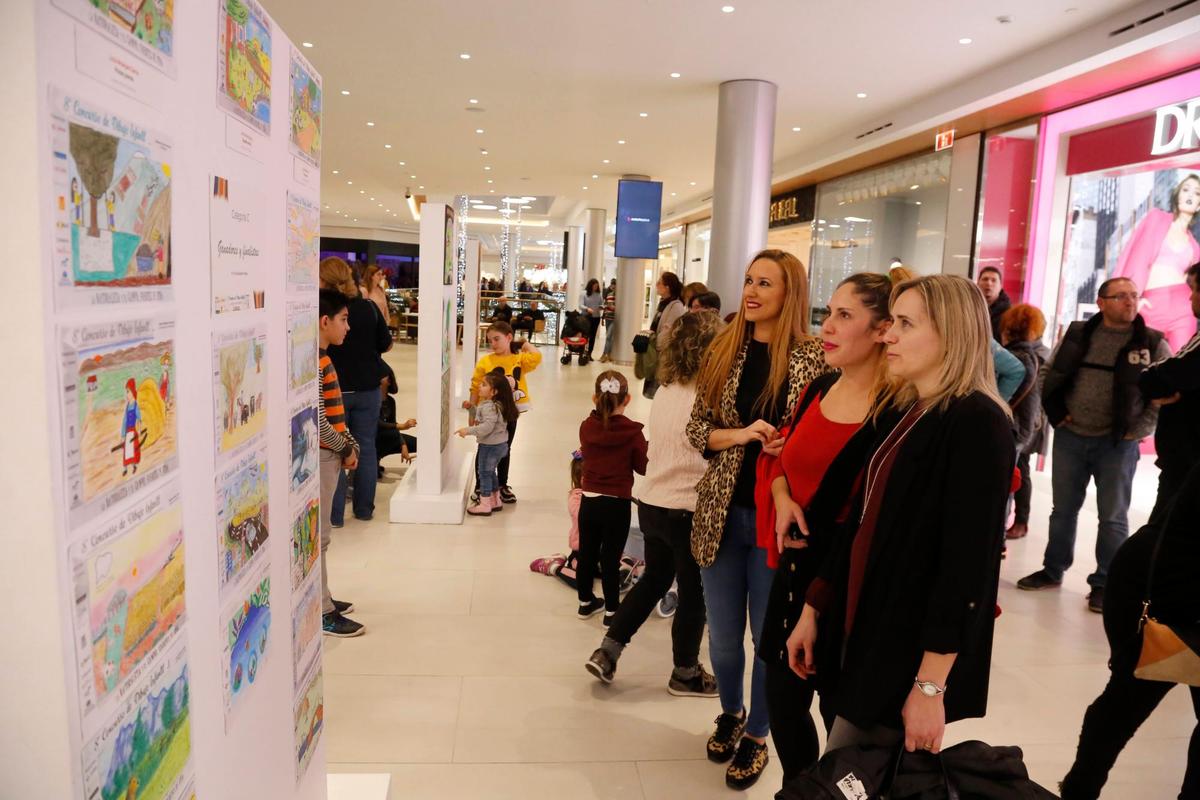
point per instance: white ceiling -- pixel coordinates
(559, 83)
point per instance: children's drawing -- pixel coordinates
(302, 347)
(304, 107)
(143, 750)
(310, 718)
(119, 409)
(306, 541)
(306, 630)
(244, 62)
(128, 589)
(246, 630)
(304, 443)
(145, 27)
(303, 243)
(112, 206)
(237, 214)
(240, 386)
(242, 526)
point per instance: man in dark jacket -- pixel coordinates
(1174, 384)
(989, 281)
(1092, 400)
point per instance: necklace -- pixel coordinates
(886, 451)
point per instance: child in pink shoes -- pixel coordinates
(494, 411)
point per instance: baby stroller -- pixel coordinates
(574, 338)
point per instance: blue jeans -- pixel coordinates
(608, 341)
(739, 580)
(1077, 460)
(362, 418)
(488, 458)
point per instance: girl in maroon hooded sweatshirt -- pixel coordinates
(613, 449)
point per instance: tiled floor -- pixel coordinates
(470, 681)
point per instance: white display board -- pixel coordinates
(178, 159)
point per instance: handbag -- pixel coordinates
(641, 342)
(1169, 652)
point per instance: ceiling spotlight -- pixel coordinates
(335, 172)
(585, 188)
(493, 191)
(594, 176)
(914, 187)
(795, 130)
(672, 194)
(861, 95)
(349, 183)
(422, 186)
(306, 44)
(487, 169)
(402, 163)
(345, 91)
(479, 130)
(412, 205)
(465, 56)
(620, 141)
(370, 124)
(675, 75)
(372, 198)
(380, 205)
(606, 161)
(693, 183)
(362, 191)
(727, 9)
(387, 147)
(917, 203)
(965, 40)
(643, 114)
(472, 101)
(483, 152)
(490, 180)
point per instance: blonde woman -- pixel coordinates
(751, 378)
(908, 647)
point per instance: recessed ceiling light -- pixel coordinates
(335, 172)
(483, 152)
(727, 9)
(387, 147)
(349, 183)
(965, 40)
(493, 191)
(795, 130)
(861, 95)
(643, 114)
(345, 91)
(362, 191)
(620, 141)
(372, 198)
(490, 180)
(380, 205)
(487, 168)
(486, 207)
(672, 194)
(414, 177)
(472, 101)
(370, 124)
(479, 130)
(422, 186)
(693, 183)
(917, 203)
(606, 161)
(327, 205)
(585, 188)
(675, 75)
(402, 163)
(914, 187)
(594, 176)
(465, 56)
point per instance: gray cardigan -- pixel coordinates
(489, 427)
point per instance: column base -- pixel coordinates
(358, 786)
(447, 508)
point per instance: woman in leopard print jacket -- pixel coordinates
(752, 375)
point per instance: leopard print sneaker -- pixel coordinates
(748, 764)
(724, 741)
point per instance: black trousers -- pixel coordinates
(789, 698)
(593, 329)
(668, 535)
(502, 467)
(1024, 494)
(1126, 701)
(603, 529)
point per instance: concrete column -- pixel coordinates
(573, 259)
(741, 183)
(631, 288)
(594, 262)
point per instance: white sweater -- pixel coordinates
(675, 466)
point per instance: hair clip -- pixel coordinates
(577, 455)
(610, 386)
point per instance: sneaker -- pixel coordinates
(1038, 580)
(497, 503)
(334, 624)
(591, 609)
(748, 764)
(702, 684)
(1096, 599)
(335, 524)
(342, 607)
(1019, 530)
(723, 742)
(601, 666)
(666, 607)
(506, 494)
(475, 497)
(481, 509)
(608, 618)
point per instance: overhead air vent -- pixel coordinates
(1171, 9)
(884, 126)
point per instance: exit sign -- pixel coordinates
(944, 140)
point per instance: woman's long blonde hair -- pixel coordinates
(336, 274)
(959, 314)
(729, 343)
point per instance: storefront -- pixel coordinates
(789, 227)
(1117, 194)
(1005, 202)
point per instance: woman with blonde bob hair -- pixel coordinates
(898, 624)
(750, 379)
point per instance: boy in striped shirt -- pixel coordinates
(338, 451)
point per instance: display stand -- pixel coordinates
(434, 490)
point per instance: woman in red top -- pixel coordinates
(811, 482)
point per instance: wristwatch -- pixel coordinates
(929, 688)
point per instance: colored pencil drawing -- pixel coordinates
(146, 27)
(244, 62)
(240, 383)
(144, 749)
(242, 518)
(246, 631)
(129, 594)
(310, 719)
(305, 104)
(306, 630)
(119, 400)
(112, 210)
(304, 443)
(306, 541)
(303, 242)
(302, 345)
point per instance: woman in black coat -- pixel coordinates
(906, 605)
(1021, 329)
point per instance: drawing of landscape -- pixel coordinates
(303, 242)
(305, 103)
(247, 633)
(304, 444)
(306, 629)
(302, 346)
(306, 541)
(130, 591)
(241, 390)
(310, 720)
(242, 519)
(130, 22)
(244, 70)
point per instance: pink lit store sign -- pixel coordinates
(1176, 128)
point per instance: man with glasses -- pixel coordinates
(1092, 399)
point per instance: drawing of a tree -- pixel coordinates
(233, 372)
(95, 155)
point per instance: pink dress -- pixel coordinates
(1169, 307)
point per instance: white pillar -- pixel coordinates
(470, 344)
(594, 263)
(631, 289)
(573, 259)
(741, 183)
